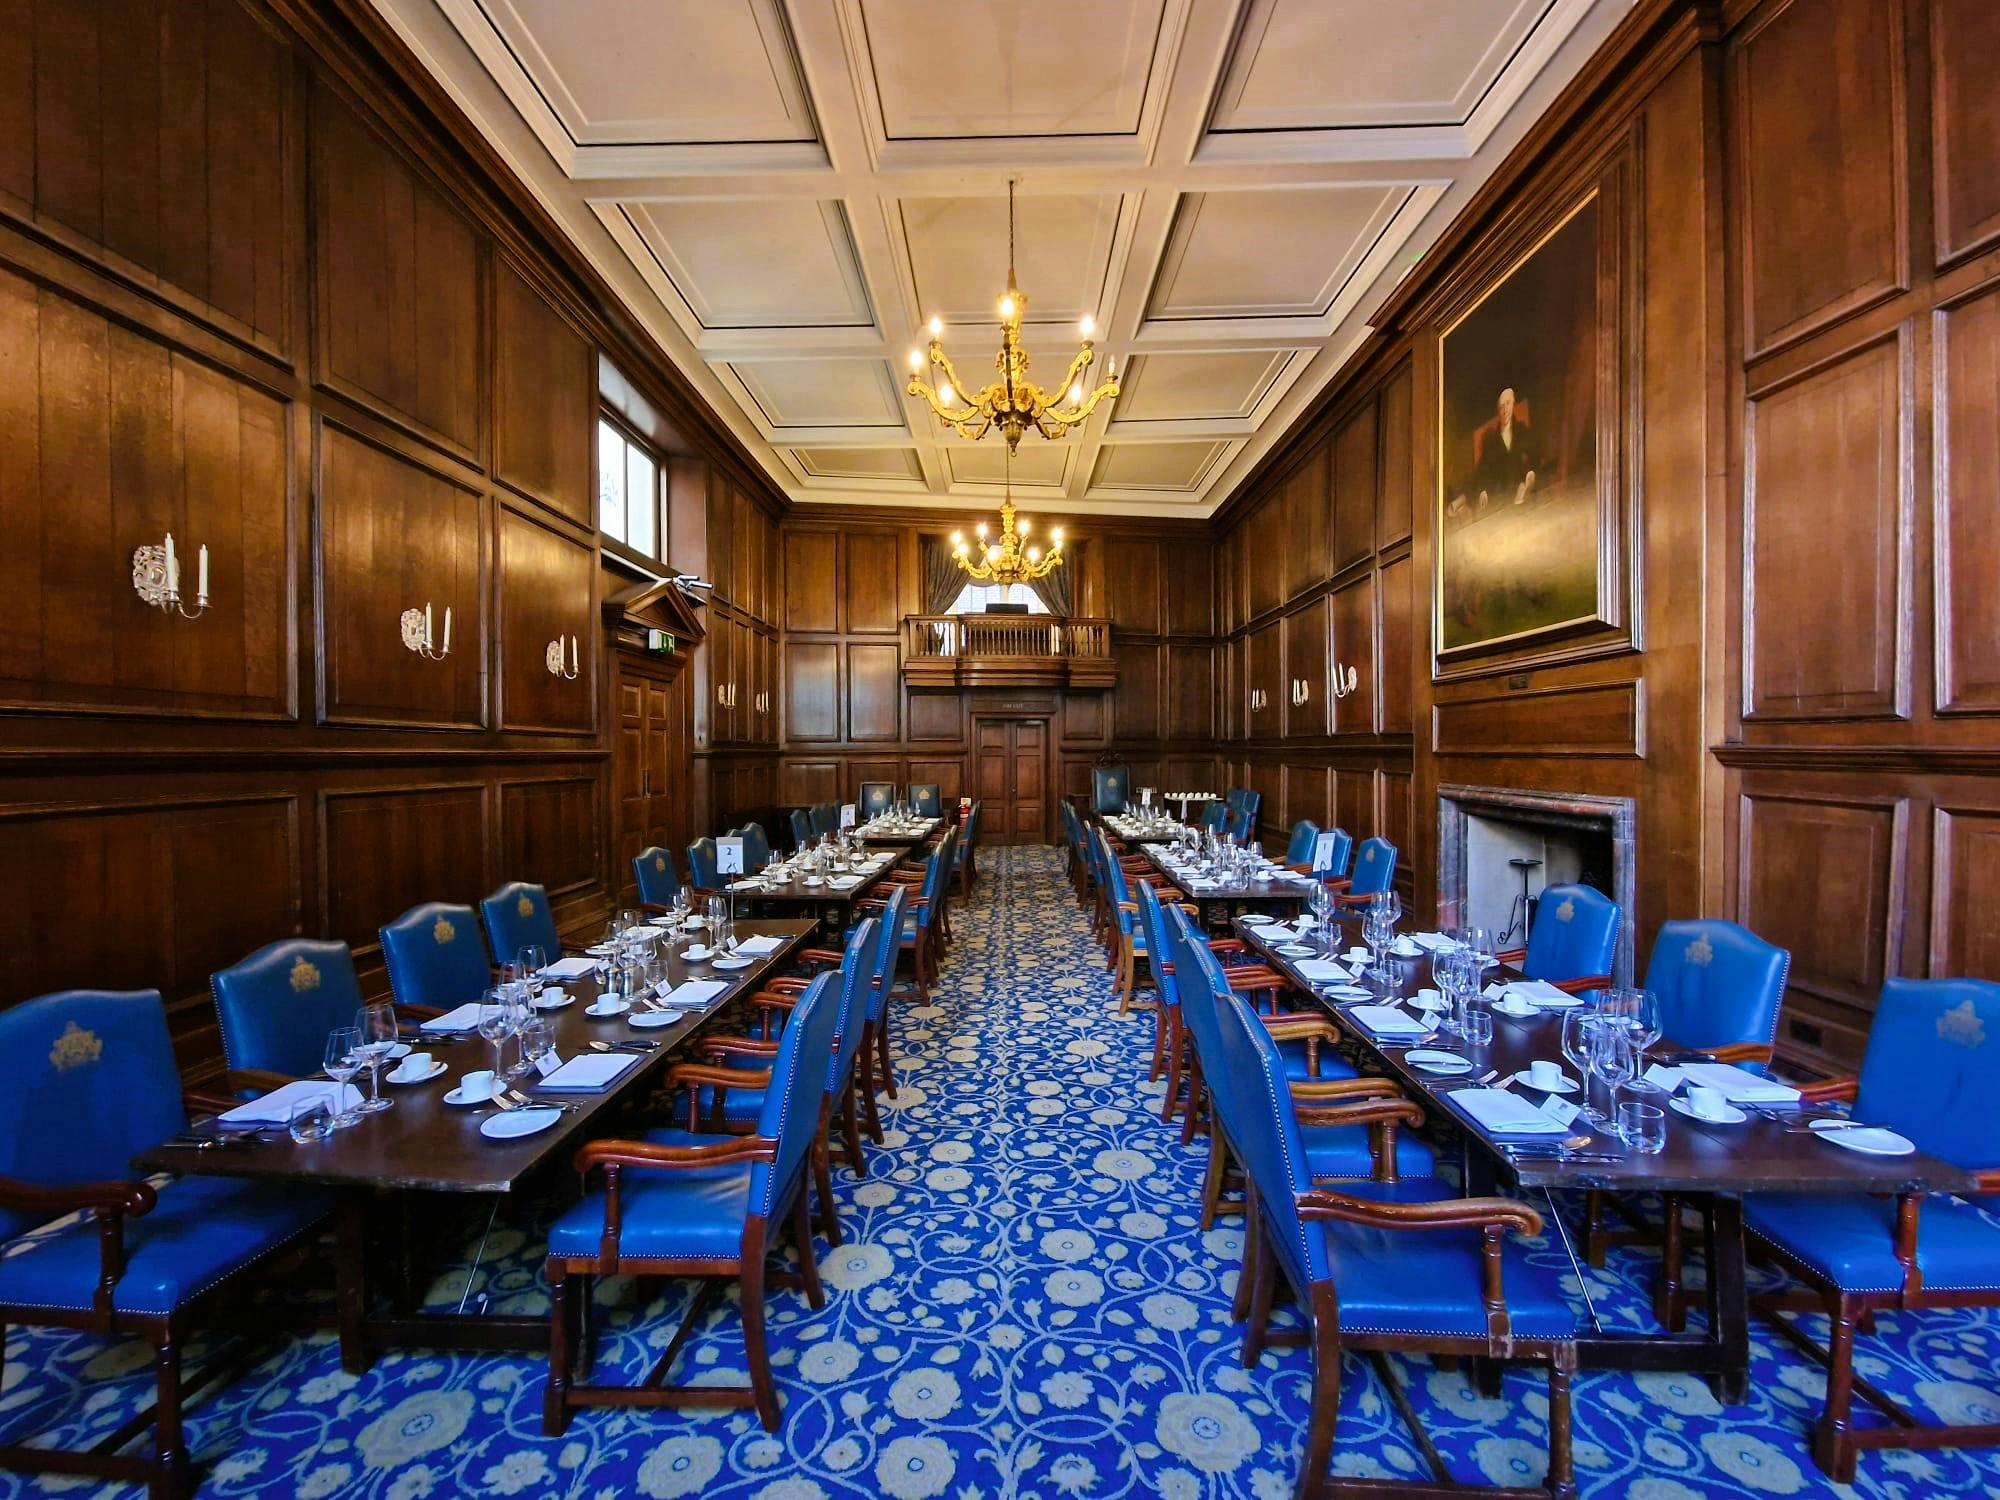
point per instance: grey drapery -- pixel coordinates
(941, 575)
(1055, 593)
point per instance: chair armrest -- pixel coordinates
(1585, 982)
(1742, 1052)
(1227, 945)
(714, 1075)
(1363, 1112)
(738, 1046)
(1308, 1092)
(200, 1101)
(1986, 1181)
(262, 1080)
(134, 1198)
(1293, 1024)
(612, 1155)
(1256, 978)
(1445, 1213)
(408, 1010)
(820, 956)
(784, 984)
(872, 903)
(1831, 1090)
(775, 999)
(1346, 898)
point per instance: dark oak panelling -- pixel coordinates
(546, 593)
(395, 536)
(398, 284)
(937, 716)
(812, 690)
(386, 849)
(874, 688)
(544, 399)
(1393, 524)
(812, 598)
(1964, 938)
(1354, 488)
(1826, 510)
(873, 569)
(551, 827)
(1400, 624)
(161, 135)
(1354, 645)
(1822, 165)
(1967, 400)
(1965, 124)
(1132, 585)
(1191, 691)
(1562, 721)
(108, 441)
(1135, 708)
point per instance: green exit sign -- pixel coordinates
(660, 640)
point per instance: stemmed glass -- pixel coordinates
(538, 1040)
(530, 961)
(343, 1061)
(1480, 941)
(1612, 1060)
(1579, 1029)
(496, 1024)
(1639, 1012)
(518, 1018)
(377, 1027)
(1320, 903)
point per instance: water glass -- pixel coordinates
(343, 1061)
(496, 1024)
(1643, 1127)
(538, 1040)
(530, 961)
(310, 1121)
(1475, 1025)
(377, 1025)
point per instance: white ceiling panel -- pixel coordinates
(782, 192)
(662, 72)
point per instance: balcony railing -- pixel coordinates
(962, 650)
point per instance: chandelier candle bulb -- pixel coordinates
(937, 328)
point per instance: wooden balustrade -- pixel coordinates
(962, 650)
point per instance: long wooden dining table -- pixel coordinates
(424, 1145)
(1271, 895)
(1711, 1165)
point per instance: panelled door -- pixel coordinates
(650, 743)
(1011, 775)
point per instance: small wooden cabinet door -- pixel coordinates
(1308, 699)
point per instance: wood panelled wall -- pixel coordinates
(736, 690)
(850, 579)
(252, 295)
(1802, 700)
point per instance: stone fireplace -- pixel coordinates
(1497, 845)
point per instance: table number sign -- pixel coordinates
(1323, 853)
(729, 856)
(848, 816)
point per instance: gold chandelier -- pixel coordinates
(1012, 559)
(1014, 403)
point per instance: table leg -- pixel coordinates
(350, 1272)
(1729, 1298)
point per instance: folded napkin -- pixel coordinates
(1541, 992)
(1430, 942)
(275, 1108)
(570, 968)
(845, 882)
(1388, 1020)
(694, 991)
(746, 885)
(1504, 1113)
(464, 1018)
(1294, 877)
(1320, 971)
(1737, 1086)
(593, 1070)
(757, 947)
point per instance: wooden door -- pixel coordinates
(649, 769)
(1011, 777)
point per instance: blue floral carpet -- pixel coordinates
(1025, 1306)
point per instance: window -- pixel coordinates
(628, 491)
(974, 598)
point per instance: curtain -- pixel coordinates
(1054, 591)
(940, 574)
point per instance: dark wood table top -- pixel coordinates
(1153, 835)
(893, 839)
(1759, 1155)
(1260, 892)
(795, 894)
(425, 1143)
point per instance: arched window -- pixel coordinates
(974, 597)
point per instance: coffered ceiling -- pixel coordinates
(783, 191)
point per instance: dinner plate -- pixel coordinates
(437, 1067)
(605, 1010)
(1567, 1086)
(647, 1020)
(1733, 1116)
(701, 957)
(1869, 1140)
(1258, 921)
(1294, 950)
(601, 950)
(456, 1095)
(401, 1049)
(731, 963)
(512, 1124)
(1433, 1061)
(1348, 992)
(554, 999)
(1507, 1008)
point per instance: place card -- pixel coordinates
(548, 1062)
(1661, 1076)
(1560, 1110)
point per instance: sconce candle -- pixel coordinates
(156, 578)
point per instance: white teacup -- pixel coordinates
(1707, 1100)
(416, 1065)
(1545, 1075)
(1428, 999)
(478, 1084)
(696, 952)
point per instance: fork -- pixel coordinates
(515, 1099)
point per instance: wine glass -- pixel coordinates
(1612, 1058)
(496, 1024)
(530, 961)
(377, 1025)
(538, 1040)
(1578, 1025)
(343, 1061)
(519, 1015)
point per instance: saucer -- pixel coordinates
(554, 999)
(1869, 1140)
(812, 880)
(1519, 1010)
(731, 963)
(698, 954)
(1567, 1086)
(456, 1095)
(697, 921)
(1732, 1115)
(647, 1020)
(400, 1050)
(1258, 921)
(512, 1124)
(601, 950)
(437, 1067)
(605, 1010)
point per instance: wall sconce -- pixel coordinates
(725, 695)
(1258, 699)
(1301, 691)
(1345, 679)
(553, 658)
(416, 624)
(156, 578)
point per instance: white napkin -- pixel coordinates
(1320, 970)
(846, 882)
(570, 968)
(1541, 992)
(1429, 941)
(275, 1108)
(1388, 1020)
(757, 947)
(464, 1018)
(746, 885)
(1505, 1113)
(694, 991)
(593, 1070)
(1737, 1086)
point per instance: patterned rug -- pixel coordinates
(1025, 1306)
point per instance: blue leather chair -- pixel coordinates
(756, 847)
(518, 916)
(1109, 787)
(825, 819)
(918, 935)
(802, 827)
(1383, 1265)
(1720, 987)
(964, 855)
(1246, 801)
(659, 886)
(927, 797)
(875, 799)
(875, 1033)
(1237, 824)
(1926, 1074)
(1574, 941)
(1374, 872)
(1080, 874)
(1305, 838)
(702, 876)
(1128, 938)
(436, 957)
(87, 1083)
(1215, 816)
(1343, 854)
(681, 1204)
(1169, 1032)
(276, 1007)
